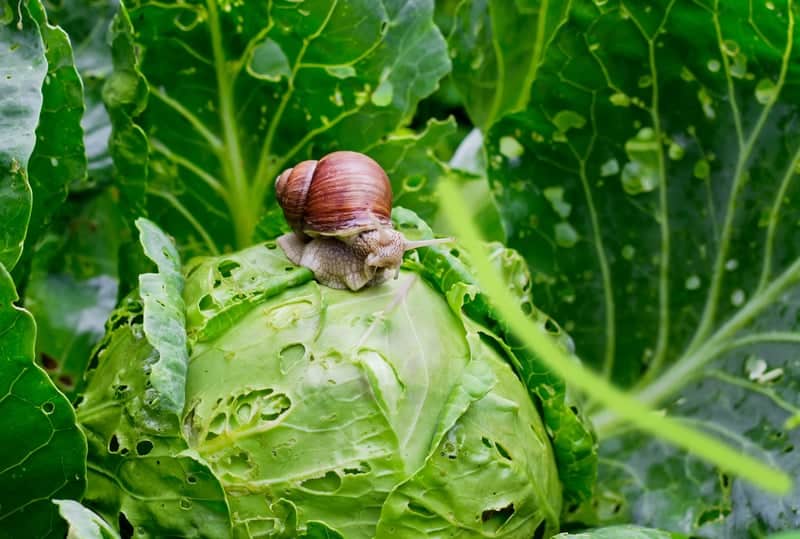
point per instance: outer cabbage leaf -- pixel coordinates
(651, 186)
(24, 68)
(447, 269)
(139, 473)
(240, 91)
(42, 449)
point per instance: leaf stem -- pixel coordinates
(244, 210)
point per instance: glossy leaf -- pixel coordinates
(24, 68)
(259, 87)
(651, 189)
(59, 156)
(83, 523)
(42, 450)
(496, 47)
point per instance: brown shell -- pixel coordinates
(291, 190)
(346, 193)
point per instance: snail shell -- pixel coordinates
(341, 195)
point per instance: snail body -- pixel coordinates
(339, 209)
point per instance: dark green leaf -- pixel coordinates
(22, 71)
(164, 319)
(240, 91)
(59, 157)
(138, 471)
(42, 451)
(496, 46)
(83, 523)
(651, 185)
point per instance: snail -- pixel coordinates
(339, 209)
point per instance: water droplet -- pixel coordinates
(54, 162)
(713, 65)
(620, 100)
(565, 120)
(609, 168)
(702, 169)
(511, 148)
(737, 297)
(383, 94)
(628, 252)
(770, 6)
(731, 264)
(640, 174)
(675, 151)
(693, 282)
(707, 103)
(765, 91)
(555, 195)
(738, 66)
(566, 235)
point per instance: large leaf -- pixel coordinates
(21, 76)
(620, 532)
(496, 47)
(59, 157)
(83, 523)
(42, 451)
(240, 91)
(653, 167)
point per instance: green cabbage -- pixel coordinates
(313, 412)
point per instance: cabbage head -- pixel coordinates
(236, 397)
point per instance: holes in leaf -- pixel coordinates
(420, 509)
(288, 268)
(527, 308)
(144, 447)
(186, 504)
(540, 530)
(217, 283)
(66, 381)
(207, 303)
(788, 449)
(725, 480)
(290, 356)
(384, 26)
(502, 451)
(408, 226)
(455, 252)
(271, 245)
(137, 320)
(218, 423)
(48, 407)
(708, 516)
(125, 526)
(276, 406)
(551, 327)
(48, 362)
(226, 267)
(362, 468)
(487, 442)
(494, 518)
(330, 482)
(192, 480)
(113, 444)
(414, 183)
(124, 451)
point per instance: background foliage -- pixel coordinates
(640, 156)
